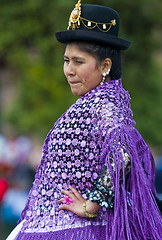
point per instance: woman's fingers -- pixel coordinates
(61, 200)
(76, 193)
(72, 194)
(72, 201)
(64, 207)
(67, 193)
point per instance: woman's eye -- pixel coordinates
(79, 62)
(66, 60)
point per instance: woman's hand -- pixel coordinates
(76, 206)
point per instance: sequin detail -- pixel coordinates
(103, 192)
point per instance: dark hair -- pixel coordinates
(100, 52)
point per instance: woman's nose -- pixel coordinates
(69, 69)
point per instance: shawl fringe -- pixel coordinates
(86, 233)
(136, 215)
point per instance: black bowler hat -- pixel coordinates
(93, 23)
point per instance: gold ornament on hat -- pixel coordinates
(74, 20)
(103, 27)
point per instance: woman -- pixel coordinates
(96, 176)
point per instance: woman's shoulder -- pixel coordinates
(109, 102)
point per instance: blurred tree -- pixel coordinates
(29, 49)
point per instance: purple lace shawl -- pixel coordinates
(98, 126)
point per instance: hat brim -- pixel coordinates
(101, 38)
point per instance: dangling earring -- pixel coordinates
(104, 76)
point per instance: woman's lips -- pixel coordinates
(73, 83)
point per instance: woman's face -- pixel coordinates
(81, 70)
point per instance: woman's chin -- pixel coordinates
(76, 92)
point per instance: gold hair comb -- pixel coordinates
(74, 20)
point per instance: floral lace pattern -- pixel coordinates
(71, 157)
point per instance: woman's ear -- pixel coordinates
(107, 63)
